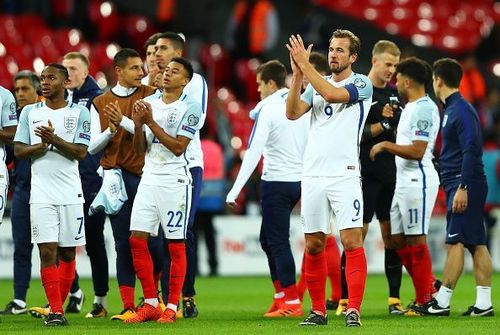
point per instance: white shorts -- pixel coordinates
(4, 186)
(165, 205)
(62, 224)
(321, 196)
(411, 210)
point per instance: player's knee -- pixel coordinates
(314, 246)
(351, 238)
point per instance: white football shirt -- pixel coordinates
(333, 145)
(180, 117)
(419, 122)
(8, 115)
(55, 178)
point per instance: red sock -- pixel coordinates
(291, 293)
(405, 255)
(50, 282)
(127, 295)
(66, 277)
(422, 272)
(355, 274)
(277, 286)
(301, 283)
(316, 280)
(143, 266)
(178, 264)
(333, 265)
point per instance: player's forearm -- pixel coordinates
(7, 134)
(22, 150)
(371, 130)
(330, 93)
(139, 141)
(404, 151)
(173, 144)
(70, 150)
(293, 99)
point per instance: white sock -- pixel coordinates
(20, 303)
(78, 294)
(444, 296)
(172, 307)
(152, 301)
(279, 295)
(483, 297)
(292, 302)
(101, 300)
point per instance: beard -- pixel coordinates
(338, 69)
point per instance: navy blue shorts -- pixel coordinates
(468, 227)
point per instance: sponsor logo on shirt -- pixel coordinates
(86, 126)
(359, 83)
(422, 133)
(193, 120)
(188, 129)
(84, 136)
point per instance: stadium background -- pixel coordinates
(34, 33)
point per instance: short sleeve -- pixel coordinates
(9, 116)
(360, 88)
(421, 123)
(23, 129)
(190, 123)
(83, 129)
(307, 96)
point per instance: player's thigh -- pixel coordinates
(346, 199)
(416, 209)
(371, 190)
(395, 214)
(71, 226)
(44, 223)
(174, 210)
(315, 207)
(145, 216)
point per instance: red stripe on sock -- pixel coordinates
(178, 264)
(50, 282)
(315, 274)
(355, 273)
(143, 266)
(127, 295)
(333, 266)
(66, 277)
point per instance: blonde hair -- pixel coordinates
(386, 46)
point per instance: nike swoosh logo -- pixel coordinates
(436, 311)
(37, 121)
(374, 103)
(354, 220)
(452, 235)
(173, 231)
(78, 238)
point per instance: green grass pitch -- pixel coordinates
(234, 305)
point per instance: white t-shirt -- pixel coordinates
(180, 117)
(281, 141)
(197, 89)
(335, 133)
(55, 178)
(419, 122)
(8, 115)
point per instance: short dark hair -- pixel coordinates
(60, 68)
(320, 62)
(186, 64)
(273, 70)
(77, 55)
(449, 70)
(151, 40)
(415, 69)
(32, 77)
(176, 39)
(123, 55)
(354, 46)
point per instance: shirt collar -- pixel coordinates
(123, 91)
(451, 98)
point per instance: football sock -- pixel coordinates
(78, 294)
(50, 282)
(343, 281)
(20, 303)
(143, 266)
(444, 296)
(127, 295)
(291, 295)
(393, 272)
(301, 283)
(422, 272)
(101, 300)
(277, 286)
(178, 265)
(316, 280)
(66, 276)
(355, 271)
(483, 297)
(406, 259)
(152, 301)
(333, 267)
